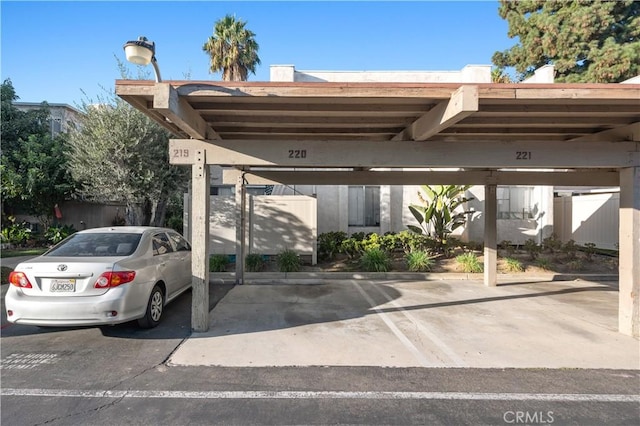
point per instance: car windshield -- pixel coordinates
(96, 244)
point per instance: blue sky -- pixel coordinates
(73, 45)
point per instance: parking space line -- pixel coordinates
(424, 330)
(482, 396)
(404, 339)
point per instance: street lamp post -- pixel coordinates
(142, 52)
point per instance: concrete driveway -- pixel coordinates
(445, 323)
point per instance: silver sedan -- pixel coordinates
(101, 276)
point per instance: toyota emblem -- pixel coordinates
(62, 267)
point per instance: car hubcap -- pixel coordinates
(156, 306)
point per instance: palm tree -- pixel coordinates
(233, 49)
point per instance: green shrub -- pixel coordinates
(288, 261)
(329, 244)
(390, 242)
(532, 248)
(351, 247)
(589, 251)
(15, 233)
(409, 241)
(570, 249)
(254, 262)
(375, 260)
(419, 261)
(507, 246)
(575, 265)
(218, 263)
(469, 263)
(513, 265)
(55, 234)
(543, 264)
(552, 244)
(371, 241)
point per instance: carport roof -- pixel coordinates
(387, 111)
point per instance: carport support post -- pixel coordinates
(241, 214)
(490, 235)
(200, 244)
(629, 240)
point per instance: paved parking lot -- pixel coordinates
(446, 323)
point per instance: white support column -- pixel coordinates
(385, 209)
(200, 244)
(241, 219)
(490, 235)
(629, 269)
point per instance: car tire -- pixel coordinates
(155, 307)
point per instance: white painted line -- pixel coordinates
(561, 397)
(404, 339)
(424, 330)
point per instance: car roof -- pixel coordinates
(124, 229)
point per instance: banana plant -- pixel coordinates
(436, 214)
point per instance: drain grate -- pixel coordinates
(27, 361)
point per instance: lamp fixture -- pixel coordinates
(142, 52)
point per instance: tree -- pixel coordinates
(120, 155)
(34, 165)
(233, 49)
(436, 214)
(587, 41)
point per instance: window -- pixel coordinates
(515, 202)
(161, 244)
(364, 206)
(179, 242)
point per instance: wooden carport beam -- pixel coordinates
(175, 108)
(463, 102)
(619, 134)
(467, 154)
(413, 177)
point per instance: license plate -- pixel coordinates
(63, 286)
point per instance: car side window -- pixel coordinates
(179, 242)
(161, 244)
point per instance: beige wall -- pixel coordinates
(275, 223)
(590, 218)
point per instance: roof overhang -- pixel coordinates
(348, 118)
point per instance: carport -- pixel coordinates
(403, 133)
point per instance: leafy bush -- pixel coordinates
(218, 263)
(570, 249)
(409, 241)
(552, 244)
(575, 265)
(375, 260)
(329, 244)
(543, 264)
(507, 246)
(419, 261)
(351, 247)
(288, 261)
(513, 265)
(532, 248)
(589, 251)
(469, 262)
(371, 241)
(16, 233)
(254, 262)
(55, 234)
(436, 215)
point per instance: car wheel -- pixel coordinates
(154, 309)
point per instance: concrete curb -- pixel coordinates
(320, 277)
